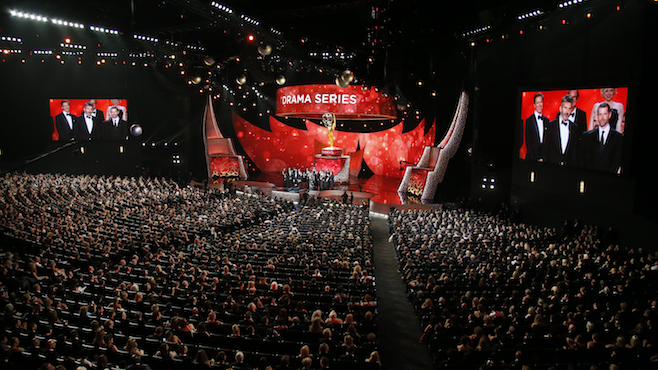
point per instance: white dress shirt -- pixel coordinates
(69, 119)
(115, 122)
(606, 132)
(564, 134)
(540, 126)
(89, 120)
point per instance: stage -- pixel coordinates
(380, 191)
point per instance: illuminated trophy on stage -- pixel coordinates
(332, 158)
(329, 121)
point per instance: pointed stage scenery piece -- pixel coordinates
(221, 159)
(422, 179)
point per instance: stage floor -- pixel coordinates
(385, 189)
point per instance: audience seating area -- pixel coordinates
(111, 272)
(494, 294)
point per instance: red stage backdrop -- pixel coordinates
(351, 102)
(553, 99)
(286, 146)
(77, 106)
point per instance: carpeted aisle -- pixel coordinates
(399, 329)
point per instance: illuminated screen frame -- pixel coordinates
(589, 96)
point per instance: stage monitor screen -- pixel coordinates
(89, 119)
(579, 127)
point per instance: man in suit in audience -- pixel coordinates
(602, 146)
(97, 114)
(86, 127)
(65, 122)
(536, 127)
(114, 128)
(577, 116)
(563, 137)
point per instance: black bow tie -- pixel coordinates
(572, 114)
(565, 123)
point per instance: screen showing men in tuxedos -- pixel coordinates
(89, 119)
(574, 127)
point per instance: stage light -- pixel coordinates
(341, 83)
(251, 37)
(275, 31)
(121, 149)
(569, 3)
(104, 30)
(249, 20)
(618, 7)
(472, 44)
(209, 61)
(221, 7)
(581, 187)
(265, 50)
(34, 17)
(67, 23)
(589, 15)
(532, 176)
(531, 14)
(196, 80)
(11, 39)
(419, 83)
(476, 31)
(146, 38)
(281, 80)
(347, 76)
(241, 80)
(564, 21)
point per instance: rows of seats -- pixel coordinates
(109, 271)
(490, 292)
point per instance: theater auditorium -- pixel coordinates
(355, 184)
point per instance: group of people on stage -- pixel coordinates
(571, 139)
(92, 124)
(312, 179)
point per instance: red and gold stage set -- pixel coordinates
(324, 147)
(222, 161)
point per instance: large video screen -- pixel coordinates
(89, 119)
(577, 127)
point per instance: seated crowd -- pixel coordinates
(111, 272)
(493, 294)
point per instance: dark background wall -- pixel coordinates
(613, 47)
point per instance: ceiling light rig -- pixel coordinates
(531, 14)
(145, 38)
(31, 16)
(476, 31)
(222, 7)
(104, 30)
(67, 23)
(11, 39)
(569, 3)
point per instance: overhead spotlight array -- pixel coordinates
(42, 52)
(222, 7)
(11, 51)
(111, 54)
(34, 17)
(105, 30)
(195, 47)
(275, 31)
(72, 46)
(145, 38)
(71, 53)
(569, 3)
(171, 43)
(249, 20)
(476, 31)
(11, 39)
(146, 54)
(532, 14)
(67, 23)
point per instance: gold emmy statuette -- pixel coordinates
(329, 121)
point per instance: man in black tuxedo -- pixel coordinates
(602, 146)
(563, 137)
(86, 127)
(536, 127)
(97, 114)
(65, 122)
(577, 116)
(114, 128)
